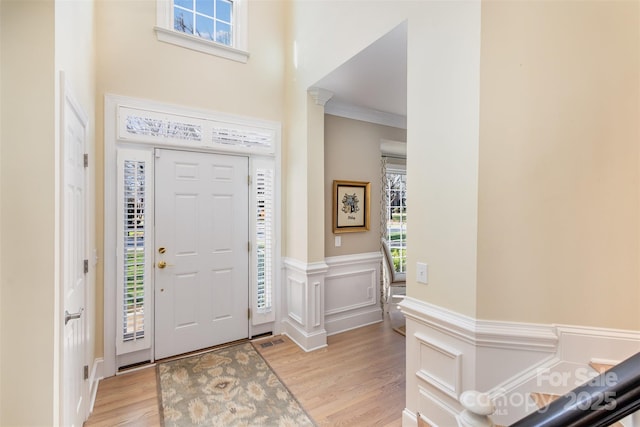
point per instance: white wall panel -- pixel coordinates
(352, 292)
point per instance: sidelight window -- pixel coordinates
(134, 260)
(264, 229)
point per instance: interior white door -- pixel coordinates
(201, 258)
(74, 386)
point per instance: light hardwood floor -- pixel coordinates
(358, 380)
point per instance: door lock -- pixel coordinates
(162, 249)
(163, 264)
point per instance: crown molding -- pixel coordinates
(339, 108)
(320, 96)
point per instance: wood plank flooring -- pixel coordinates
(130, 399)
(358, 380)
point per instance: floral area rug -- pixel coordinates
(231, 386)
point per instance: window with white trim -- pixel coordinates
(207, 19)
(134, 257)
(264, 229)
(216, 27)
(396, 201)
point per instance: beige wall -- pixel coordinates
(309, 58)
(352, 153)
(132, 62)
(27, 147)
(559, 184)
(442, 134)
(37, 43)
(442, 152)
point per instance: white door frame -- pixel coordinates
(116, 137)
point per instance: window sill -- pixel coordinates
(201, 45)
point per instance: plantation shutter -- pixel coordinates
(134, 258)
(264, 245)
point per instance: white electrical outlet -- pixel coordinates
(422, 273)
(338, 241)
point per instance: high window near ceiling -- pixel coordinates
(216, 27)
(207, 19)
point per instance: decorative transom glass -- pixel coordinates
(207, 19)
(163, 128)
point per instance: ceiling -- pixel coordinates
(372, 85)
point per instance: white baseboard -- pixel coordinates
(348, 323)
(94, 379)
(304, 340)
(409, 419)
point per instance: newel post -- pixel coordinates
(477, 408)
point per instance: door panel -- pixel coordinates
(75, 388)
(202, 293)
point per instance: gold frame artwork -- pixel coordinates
(351, 203)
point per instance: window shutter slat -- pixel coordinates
(134, 257)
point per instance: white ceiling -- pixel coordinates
(372, 85)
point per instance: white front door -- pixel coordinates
(75, 388)
(201, 254)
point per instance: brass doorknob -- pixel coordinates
(162, 264)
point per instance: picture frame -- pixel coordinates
(351, 206)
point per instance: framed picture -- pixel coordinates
(351, 200)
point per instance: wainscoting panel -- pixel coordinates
(449, 353)
(440, 366)
(295, 300)
(352, 292)
(436, 411)
(585, 344)
(303, 304)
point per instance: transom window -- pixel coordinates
(208, 19)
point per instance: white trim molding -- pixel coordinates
(238, 52)
(396, 149)
(449, 353)
(94, 381)
(320, 96)
(303, 303)
(336, 107)
(444, 371)
(583, 344)
(483, 333)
